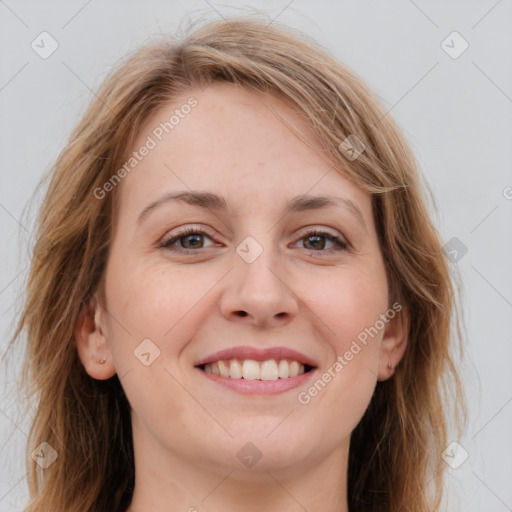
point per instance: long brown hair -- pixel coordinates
(395, 459)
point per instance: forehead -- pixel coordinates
(253, 148)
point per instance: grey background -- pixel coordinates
(456, 114)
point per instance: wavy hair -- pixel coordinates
(395, 459)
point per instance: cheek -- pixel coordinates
(153, 299)
(349, 302)
(149, 302)
(349, 309)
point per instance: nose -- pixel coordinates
(259, 293)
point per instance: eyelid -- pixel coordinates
(184, 229)
(324, 229)
(319, 229)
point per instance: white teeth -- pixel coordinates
(284, 369)
(294, 369)
(250, 369)
(223, 368)
(269, 370)
(235, 369)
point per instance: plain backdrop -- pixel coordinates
(454, 106)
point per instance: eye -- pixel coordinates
(316, 240)
(192, 239)
(189, 239)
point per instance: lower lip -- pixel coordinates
(260, 387)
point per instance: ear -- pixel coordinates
(394, 342)
(91, 339)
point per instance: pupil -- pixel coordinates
(316, 239)
(196, 237)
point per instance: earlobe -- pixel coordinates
(91, 340)
(394, 343)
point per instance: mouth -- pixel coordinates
(251, 370)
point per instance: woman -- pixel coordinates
(237, 298)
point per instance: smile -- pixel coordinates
(249, 369)
(256, 370)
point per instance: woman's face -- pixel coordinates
(238, 268)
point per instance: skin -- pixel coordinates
(313, 298)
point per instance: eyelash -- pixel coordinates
(166, 244)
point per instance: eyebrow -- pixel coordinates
(210, 201)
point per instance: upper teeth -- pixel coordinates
(251, 369)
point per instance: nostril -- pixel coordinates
(242, 313)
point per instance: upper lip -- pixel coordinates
(258, 354)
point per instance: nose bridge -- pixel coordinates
(257, 287)
(257, 264)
